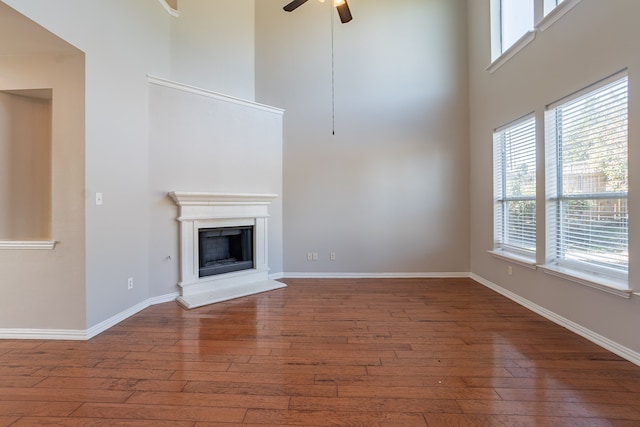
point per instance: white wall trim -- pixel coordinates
(214, 95)
(112, 321)
(592, 336)
(609, 285)
(514, 258)
(84, 335)
(43, 334)
(28, 244)
(294, 275)
(164, 298)
(558, 12)
(171, 11)
(525, 40)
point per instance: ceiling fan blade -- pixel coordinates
(344, 12)
(294, 5)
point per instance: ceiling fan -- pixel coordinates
(341, 6)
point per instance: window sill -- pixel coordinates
(28, 244)
(606, 284)
(527, 38)
(557, 13)
(522, 260)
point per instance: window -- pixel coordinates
(510, 21)
(515, 23)
(587, 183)
(515, 187)
(516, 18)
(549, 5)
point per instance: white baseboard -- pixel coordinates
(87, 334)
(43, 334)
(602, 341)
(114, 320)
(376, 275)
(164, 298)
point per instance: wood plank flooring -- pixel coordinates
(410, 352)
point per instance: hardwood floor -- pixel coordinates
(411, 352)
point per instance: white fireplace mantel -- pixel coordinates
(212, 210)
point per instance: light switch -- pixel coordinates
(98, 198)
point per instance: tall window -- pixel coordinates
(516, 18)
(515, 187)
(587, 183)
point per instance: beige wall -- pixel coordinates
(45, 289)
(593, 41)
(25, 167)
(388, 193)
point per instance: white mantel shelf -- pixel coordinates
(220, 199)
(212, 210)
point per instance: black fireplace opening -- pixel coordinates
(224, 250)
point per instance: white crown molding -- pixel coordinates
(604, 342)
(213, 95)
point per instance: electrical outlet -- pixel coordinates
(130, 283)
(332, 256)
(309, 256)
(509, 270)
(98, 199)
(315, 256)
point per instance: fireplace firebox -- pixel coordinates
(225, 250)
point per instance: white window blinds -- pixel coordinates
(515, 186)
(587, 179)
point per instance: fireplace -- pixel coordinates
(223, 246)
(225, 250)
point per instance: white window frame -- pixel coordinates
(502, 246)
(608, 279)
(545, 14)
(549, 5)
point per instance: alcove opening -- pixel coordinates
(25, 164)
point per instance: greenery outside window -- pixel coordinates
(587, 180)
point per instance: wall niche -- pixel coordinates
(25, 164)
